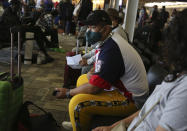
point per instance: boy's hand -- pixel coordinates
(83, 62)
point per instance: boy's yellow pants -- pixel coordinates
(83, 106)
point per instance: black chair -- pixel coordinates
(155, 76)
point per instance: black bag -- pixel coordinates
(36, 122)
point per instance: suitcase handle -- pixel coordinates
(12, 31)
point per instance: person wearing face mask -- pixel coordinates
(71, 75)
(92, 37)
(91, 41)
(117, 85)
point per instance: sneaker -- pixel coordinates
(67, 125)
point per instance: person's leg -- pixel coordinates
(40, 38)
(54, 37)
(63, 24)
(67, 27)
(83, 106)
(70, 75)
(57, 19)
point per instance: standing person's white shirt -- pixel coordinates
(38, 4)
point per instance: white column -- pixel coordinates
(130, 17)
(110, 3)
(117, 4)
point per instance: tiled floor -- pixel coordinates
(40, 81)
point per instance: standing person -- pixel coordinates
(164, 15)
(142, 17)
(121, 15)
(116, 86)
(62, 15)
(48, 5)
(169, 98)
(155, 13)
(85, 9)
(173, 14)
(86, 6)
(68, 15)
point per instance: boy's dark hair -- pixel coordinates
(113, 13)
(98, 17)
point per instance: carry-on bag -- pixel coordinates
(11, 91)
(43, 121)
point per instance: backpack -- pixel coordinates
(35, 122)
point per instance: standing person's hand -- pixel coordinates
(61, 92)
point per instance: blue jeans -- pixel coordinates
(67, 26)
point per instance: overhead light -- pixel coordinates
(167, 4)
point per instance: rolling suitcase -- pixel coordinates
(11, 91)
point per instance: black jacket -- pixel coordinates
(85, 10)
(9, 18)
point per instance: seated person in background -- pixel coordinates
(10, 18)
(118, 84)
(88, 60)
(116, 27)
(169, 98)
(45, 22)
(91, 40)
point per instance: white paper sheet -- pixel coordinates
(73, 60)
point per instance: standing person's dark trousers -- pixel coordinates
(68, 26)
(54, 37)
